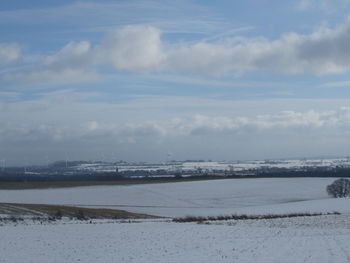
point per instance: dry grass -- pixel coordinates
(58, 211)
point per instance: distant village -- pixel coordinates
(121, 170)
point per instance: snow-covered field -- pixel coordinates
(310, 239)
(187, 166)
(301, 239)
(216, 197)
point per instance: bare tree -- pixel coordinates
(339, 188)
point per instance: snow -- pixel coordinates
(215, 197)
(318, 239)
(188, 166)
(310, 239)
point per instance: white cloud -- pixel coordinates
(286, 121)
(9, 53)
(74, 55)
(72, 64)
(132, 48)
(323, 52)
(140, 48)
(337, 121)
(91, 125)
(141, 130)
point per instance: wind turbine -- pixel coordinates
(47, 161)
(3, 162)
(66, 159)
(168, 157)
(25, 165)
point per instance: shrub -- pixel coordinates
(339, 188)
(202, 219)
(80, 215)
(58, 214)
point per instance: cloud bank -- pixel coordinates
(65, 122)
(195, 136)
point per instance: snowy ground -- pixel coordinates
(211, 165)
(301, 239)
(310, 239)
(217, 197)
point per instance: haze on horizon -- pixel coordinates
(138, 80)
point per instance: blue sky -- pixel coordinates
(136, 80)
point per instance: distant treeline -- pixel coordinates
(20, 176)
(315, 172)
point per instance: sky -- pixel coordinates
(158, 80)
